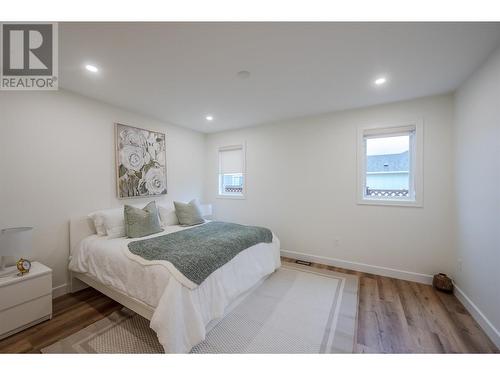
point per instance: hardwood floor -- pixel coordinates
(394, 316)
(71, 313)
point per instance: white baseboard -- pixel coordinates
(361, 267)
(59, 291)
(478, 315)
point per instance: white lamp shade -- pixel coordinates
(16, 242)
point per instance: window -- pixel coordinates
(390, 165)
(232, 171)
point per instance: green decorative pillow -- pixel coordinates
(142, 222)
(188, 213)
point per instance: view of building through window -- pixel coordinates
(388, 166)
(232, 183)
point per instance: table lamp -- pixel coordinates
(16, 242)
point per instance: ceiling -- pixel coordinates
(182, 72)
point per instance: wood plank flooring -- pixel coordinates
(71, 313)
(394, 316)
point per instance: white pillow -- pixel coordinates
(98, 220)
(114, 222)
(167, 216)
(109, 222)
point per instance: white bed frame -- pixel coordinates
(79, 228)
(82, 227)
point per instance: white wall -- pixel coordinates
(477, 173)
(57, 160)
(286, 160)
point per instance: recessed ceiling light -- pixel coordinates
(243, 74)
(209, 118)
(380, 81)
(91, 68)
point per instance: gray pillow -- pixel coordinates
(188, 213)
(142, 222)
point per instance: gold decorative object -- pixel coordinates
(24, 266)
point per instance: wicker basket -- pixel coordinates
(443, 283)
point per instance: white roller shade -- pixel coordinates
(231, 160)
(388, 132)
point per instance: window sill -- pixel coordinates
(219, 196)
(387, 202)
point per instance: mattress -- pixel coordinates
(181, 315)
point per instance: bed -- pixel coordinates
(180, 315)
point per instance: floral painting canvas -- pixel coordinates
(140, 162)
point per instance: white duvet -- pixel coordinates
(182, 311)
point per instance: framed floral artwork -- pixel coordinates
(140, 162)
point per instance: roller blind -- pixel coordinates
(386, 132)
(231, 160)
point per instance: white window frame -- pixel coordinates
(416, 182)
(242, 147)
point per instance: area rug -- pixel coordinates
(297, 309)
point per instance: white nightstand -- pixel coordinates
(25, 300)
